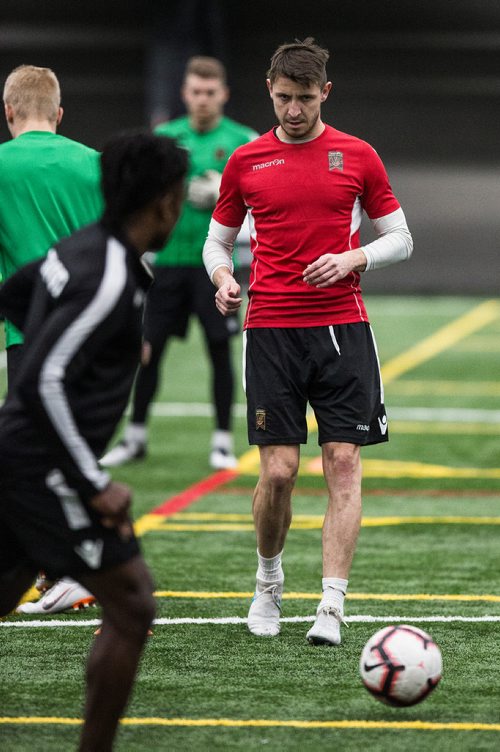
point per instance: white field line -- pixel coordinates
(424, 414)
(3, 359)
(355, 619)
(427, 414)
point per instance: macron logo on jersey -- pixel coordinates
(54, 274)
(263, 165)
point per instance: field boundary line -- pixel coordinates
(242, 620)
(265, 723)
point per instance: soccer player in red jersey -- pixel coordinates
(308, 339)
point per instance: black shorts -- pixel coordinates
(176, 294)
(44, 525)
(333, 368)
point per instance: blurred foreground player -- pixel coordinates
(50, 187)
(81, 312)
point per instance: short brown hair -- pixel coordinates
(33, 92)
(205, 67)
(302, 62)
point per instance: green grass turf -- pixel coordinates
(221, 671)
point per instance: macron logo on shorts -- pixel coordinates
(382, 423)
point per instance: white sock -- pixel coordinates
(334, 590)
(222, 440)
(270, 570)
(135, 433)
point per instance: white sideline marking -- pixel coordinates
(3, 359)
(355, 619)
(426, 414)
(423, 414)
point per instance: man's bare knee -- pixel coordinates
(280, 472)
(132, 615)
(141, 610)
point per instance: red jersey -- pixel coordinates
(304, 200)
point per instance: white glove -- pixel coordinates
(203, 191)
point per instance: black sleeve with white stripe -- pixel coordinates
(83, 298)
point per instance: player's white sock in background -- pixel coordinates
(222, 450)
(135, 433)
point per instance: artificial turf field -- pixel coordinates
(428, 554)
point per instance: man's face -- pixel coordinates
(204, 99)
(298, 107)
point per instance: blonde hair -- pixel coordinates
(33, 92)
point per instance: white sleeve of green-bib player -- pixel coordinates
(218, 248)
(394, 242)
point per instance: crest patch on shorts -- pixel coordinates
(260, 420)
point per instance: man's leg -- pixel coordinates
(272, 513)
(125, 594)
(133, 446)
(342, 470)
(222, 449)
(13, 585)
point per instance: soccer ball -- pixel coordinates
(400, 665)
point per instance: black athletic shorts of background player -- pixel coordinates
(333, 368)
(45, 525)
(176, 294)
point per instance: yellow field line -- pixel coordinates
(441, 340)
(265, 723)
(308, 519)
(297, 596)
(373, 468)
(304, 522)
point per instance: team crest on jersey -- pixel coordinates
(260, 420)
(220, 153)
(335, 160)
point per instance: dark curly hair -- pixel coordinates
(136, 168)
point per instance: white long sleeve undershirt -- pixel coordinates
(218, 248)
(394, 243)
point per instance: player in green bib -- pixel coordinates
(180, 288)
(49, 187)
(49, 184)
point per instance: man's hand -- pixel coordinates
(112, 505)
(227, 297)
(331, 267)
